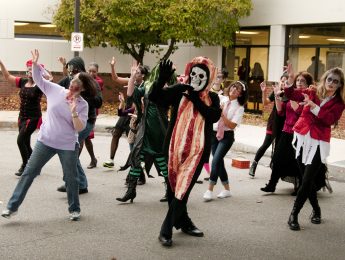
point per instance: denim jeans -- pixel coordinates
(219, 150)
(39, 157)
(80, 172)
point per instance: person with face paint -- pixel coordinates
(30, 114)
(284, 164)
(66, 116)
(223, 137)
(323, 107)
(75, 66)
(194, 109)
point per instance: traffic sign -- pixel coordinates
(77, 41)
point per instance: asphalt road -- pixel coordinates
(248, 225)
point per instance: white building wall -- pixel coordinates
(277, 13)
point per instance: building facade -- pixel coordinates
(309, 33)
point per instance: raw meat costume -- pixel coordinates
(188, 140)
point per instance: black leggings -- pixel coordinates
(26, 128)
(308, 188)
(261, 151)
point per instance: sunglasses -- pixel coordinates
(330, 80)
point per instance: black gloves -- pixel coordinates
(192, 95)
(165, 71)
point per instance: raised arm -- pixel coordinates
(130, 87)
(62, 60)
(8, 77)
(119, 80)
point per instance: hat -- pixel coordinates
(29, 64)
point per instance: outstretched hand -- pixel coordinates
(166, 70)
(35, 55)
(307, 101)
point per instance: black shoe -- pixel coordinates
(164, 199)
(253, 169)
(268, 188)
(165, 241)
(82, 191)
(206, 178)
(294, 193)
(20, 171)
(62, 188)
(293, 222)
(316, 216)
(92, 164)
(192, 231)
(199, 182)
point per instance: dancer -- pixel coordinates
(284, 164)
(312, 133)
(66, 116)
(274, 126)
(93, 71)
(152, 126)
(30, 109)
(188, 140)
(223, 137)
(122, 124)
(75, 66)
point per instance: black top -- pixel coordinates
(30, 100)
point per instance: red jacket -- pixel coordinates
(320, 125)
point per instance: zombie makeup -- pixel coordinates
(332, 82)
(301, 82)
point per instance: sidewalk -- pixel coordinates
(248, 138)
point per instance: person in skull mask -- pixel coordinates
(188, 141)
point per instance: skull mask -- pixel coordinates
(198, 78)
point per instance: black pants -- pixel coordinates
(308, 188)
(261, 151)
(26, 128)
(177, 215)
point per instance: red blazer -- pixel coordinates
(320, 125)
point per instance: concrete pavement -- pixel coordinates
(248, 225)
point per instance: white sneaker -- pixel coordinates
(74, 216)
(207, 195)
(224, 194)
(6, 213)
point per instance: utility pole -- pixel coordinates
(76, 20)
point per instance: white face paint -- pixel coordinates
(198, 78)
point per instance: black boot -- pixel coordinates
(316, 216)
(293, 219)
(127, 180)
(165, 197)
(270, 187)
(142, 178)
(21, 170)
(253, 169)
(131, 192)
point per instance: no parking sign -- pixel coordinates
(77, 41)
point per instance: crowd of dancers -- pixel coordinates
(175, 123)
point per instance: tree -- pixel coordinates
(139, 26)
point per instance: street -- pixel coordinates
(248, 225)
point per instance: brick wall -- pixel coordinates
(110, 91)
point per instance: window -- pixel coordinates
(316, 48)
(36, 30)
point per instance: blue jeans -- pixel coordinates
(219, 150)
(81, 174)
(39, 157)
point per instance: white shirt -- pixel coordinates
(235, 114)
